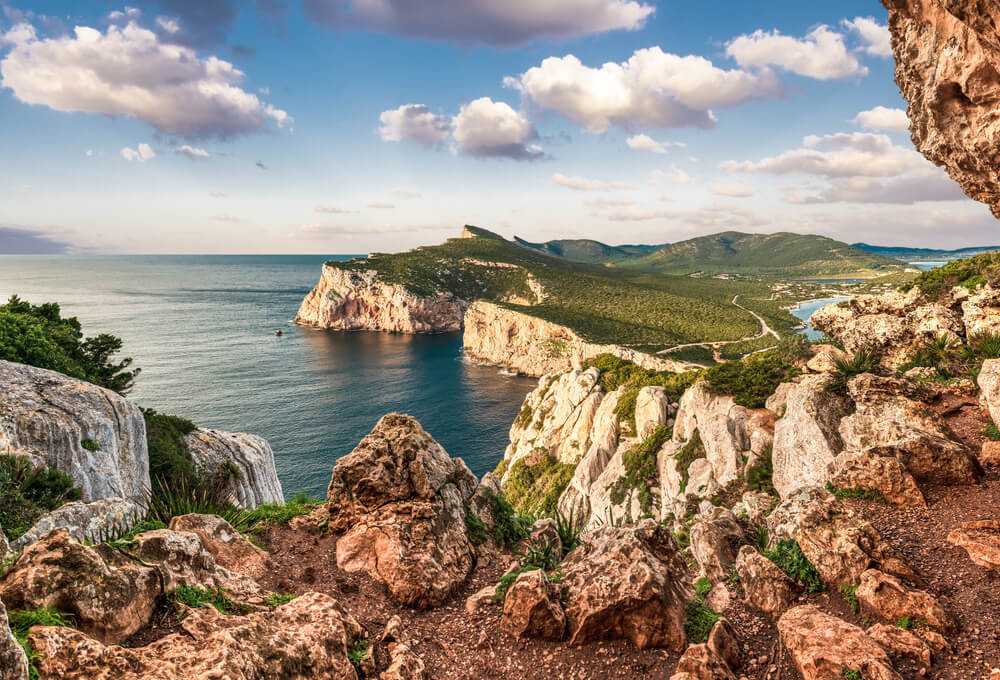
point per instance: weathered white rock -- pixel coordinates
(777, 402)
(255, 481)
(989, 383)
(603, 510)
(824, 359)
(13, 661)
(981, 312)
(701, 479)
(47, 416)
(807, 438)
(651, 410)
(94, 521)
(671, 476)
(715, 540)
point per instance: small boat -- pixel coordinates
(278, 332)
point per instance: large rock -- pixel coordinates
(305, 639)
(888, 598)
(49, 416)
(229, 548)
(900, 644)
(981, 540)
(13, 661)
(94, 521)
(701, 662)
(399, 498)
(947, 60)
(627, 582)
(807, 438)
(824, 647)
(532, 608)
(876, 468)
(765, 585)
(253, 480)
(839, 542)
(715, 541)
(109, 595)
(182, 559)
(989, 383)
(889, 414)
(652, 408)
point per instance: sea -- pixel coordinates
(202, 329)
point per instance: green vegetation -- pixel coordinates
(264, 517)
(475, 528)
(865, 360)
(858, 493)
(640, 471)
(38, 335)
(27, 492)
(569, 530)
(533, 559)
(537, 487)
(700, 618)
(509, 526)
(751, 381)
(991, 431)
(21, 621)
(90, 445)
(196, 596)
(907, 623)
(275, 600)
(788, 556)
(169, 458)
(617, 372)
(759, 477)
(851, 674)
(969, 273)
(850, 595)
(952, 359)
(358, 652)
(692, 451)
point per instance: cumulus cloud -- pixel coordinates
(584, 184)
(929, 184)
(486, 128)
(875, 38)
(403, 192)
(730, 190)
(652, 89)
(414, 123)
(883, 118)
(128, 71)
(647, 143)
(141, 153)
(821, 54)
(192, 152)
(675, 176)
(509, 23)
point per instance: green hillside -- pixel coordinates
(603, 304)
(583, 250)
(924, 254)
(783, 254)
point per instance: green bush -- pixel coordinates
(788, 556)
(21, 622)
(509, 526)
(475, 528)
(700, 618)
(759, 477)
(865, 360)
(991, 431)
(38, 335)
(866, 493)
(692, 451)
(27, 492)
(851, 674)
(358, 652)
(569, 529)
(907, 623)
(850, 595)
(90, 445)
(968, 273)
(751, 381)
(536, 488)
(617, 372)
(640, 470)
(275, 600)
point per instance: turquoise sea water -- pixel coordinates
(202, 330)
(806, 309)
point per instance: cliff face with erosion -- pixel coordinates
(346, 300)
(948, 68)
(535, 347)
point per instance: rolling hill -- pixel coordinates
(924, 254)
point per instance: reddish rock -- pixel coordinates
(723, 642)
(182, 559)
(981, 540)
(627, 582)
(714, 543)
(888, 598)
(13, 661)
(765, 585)
(305, 639)
(989, 454)
(532, 608)
(900, 644)
(877, 468)
(404, 664)
(699, 662)
(824, 647)
(229, 547)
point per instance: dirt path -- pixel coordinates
(764, 330)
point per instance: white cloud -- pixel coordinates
(414, 123)
(675, 176)
(584, 184)
(231, 219)
(506, 23)
(609, 202)
(875, 38)
(142, 153)
(169, 25)
(192, 152)
(90, 152)
(486, 128)
(918, 186)
(651, 89)
(822, 54)
(128, 71)
(647, 143)
(331, 210)
(630, 213)
(381, 205)
(883, 118)
(318, 230)
(403, 192)
(730, 190)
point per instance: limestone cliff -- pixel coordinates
(254, 481)
(532, 346)
(948, 68)
(348, 300)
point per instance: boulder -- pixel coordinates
(876, 468)
(229, 547)
(304, 639)
(182, 559)
(110, 596)
(888, 598)
(778, 402)
(721, 425)
(482, 597)
(49, 416)
(889, 414)
(807, 438)
(989, 453)
(714, 543)
(481, 502)
(825, 358)
(900, 644)
(652, 408)
(700, 662)
(839, 542)
(400, 499)
(823, 647)
(670, 474)
(753, 506)
(627, 582)
(981, 540)
(722, 640)
(989, 383)
(93, 521)
(603, 508)
(13, 661)
(701, 479)
(253, 479)
(404, 664)
(532, 608)
(766, 586)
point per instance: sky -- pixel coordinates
(352, 126)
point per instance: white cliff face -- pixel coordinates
(348, 300)
(92, 434)
(255, 481)
(535, 347)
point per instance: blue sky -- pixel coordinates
(330, 126)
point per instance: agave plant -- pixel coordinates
(569, 529)
(865, 360)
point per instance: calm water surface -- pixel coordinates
(202, 330)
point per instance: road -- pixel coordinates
(764, 330)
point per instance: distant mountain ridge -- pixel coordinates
(918, 254)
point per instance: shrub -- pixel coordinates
(752, 380)
(509, 526)
(986, 345)
(851, 674)
(27, 492)
(788, 556)
(90, 445)
(617, 372)
(759, 477)
(849, 595)
(968, 273)
(865, 360)
(275, 600)
(569, 530)
(907, 623)
(538, 487)
(169, 458)
(38, 335)
(640, 470)
(475, 528)
(691, 452)
(866, 493)
(533, 559)
(700, 618)
(358, 652)
(196, 596)
(524, 417)
(179, 498)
